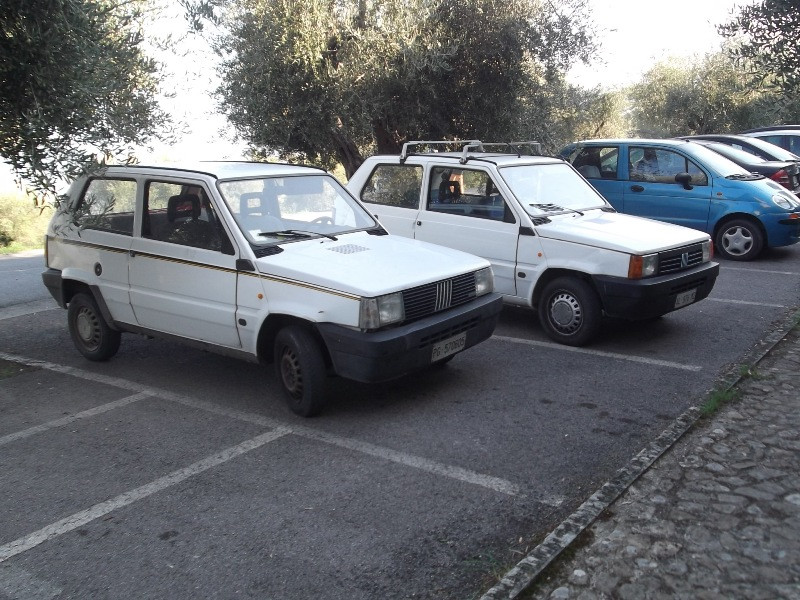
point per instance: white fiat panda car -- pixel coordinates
(268, 262)
(554, 243)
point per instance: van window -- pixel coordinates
(107, 205)
(394, 185)
(467, 192)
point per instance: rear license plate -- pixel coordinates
(448, 347)
(685, 298)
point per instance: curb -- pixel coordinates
(521, 576)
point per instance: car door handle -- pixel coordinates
(419, 223)
(637, 188)
(132, 252)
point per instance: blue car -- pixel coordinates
(687, 184)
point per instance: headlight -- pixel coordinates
(642, 266)
(708, 251)
(381, 311)
(484, 281)
(783, 202)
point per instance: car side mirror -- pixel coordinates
(685, 180)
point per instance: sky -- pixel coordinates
(634, 34)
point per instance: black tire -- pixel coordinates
(300, 369)
(89, 331)
(739, 239)
(570, 311)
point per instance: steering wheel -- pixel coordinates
(323, 221)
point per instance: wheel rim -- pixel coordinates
(737, 241)
(566, 314)
(87, 325)
(291, 374)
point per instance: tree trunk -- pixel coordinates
(347, 153)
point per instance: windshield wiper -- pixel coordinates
(296, 233)
(745, 176)
(554, 208)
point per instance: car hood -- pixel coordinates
(616, 231)
(367, 265)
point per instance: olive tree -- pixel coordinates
(694, 96)
(75, 85)
(325, 80)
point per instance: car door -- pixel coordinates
(183, 266)
(100, 238)
(465, 210)
(392, 193)
(652, 191)
(599, 165)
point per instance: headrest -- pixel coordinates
(183, 206)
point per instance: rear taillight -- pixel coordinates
(782, 177)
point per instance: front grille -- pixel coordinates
(434, 297)
(679, 259)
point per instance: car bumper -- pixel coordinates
(383, 355)
(781, 229)
(55, 285)
(655, 296)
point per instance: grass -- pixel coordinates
(22, 223)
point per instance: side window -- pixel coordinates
(467, 192)
(661, 166)
(107, 205)
(597, 162)
(394, 185)
(181, 214)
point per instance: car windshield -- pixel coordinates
(776, 152)
(550, 188)
(279, 209)
(722, 166)
(739, 156)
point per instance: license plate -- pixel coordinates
(448, 347)
(685, 298)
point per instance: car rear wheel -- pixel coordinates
(570, 311)
(300, 368)
(89, 331)
(739, 239)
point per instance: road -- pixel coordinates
(172, 473)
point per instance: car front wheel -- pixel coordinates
(89, 331)
(300, 368)
(570, 311)
(739, 239)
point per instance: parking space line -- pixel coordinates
(640, 359)
(465, 475)
(756, 270)
(28, 308)
(747, 303)
(97, 410)
(101, 509)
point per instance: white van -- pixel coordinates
(268, 262)
(554, 243)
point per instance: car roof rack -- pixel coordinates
(470, 146)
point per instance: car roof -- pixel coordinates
(456, 158)
(649, 141)
(219, 169)
(773, 128)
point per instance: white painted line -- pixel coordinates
(97, 410)
(767, 271)
(29, 308)
(20, 584)
(465, 475)
(639, 359)
(747, 303)
(83, 517)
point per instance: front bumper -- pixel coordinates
(654, 296)
(387, 354)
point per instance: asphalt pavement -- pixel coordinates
(715, 515)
